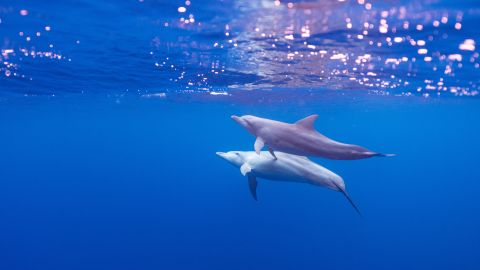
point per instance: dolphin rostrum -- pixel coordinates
(300, 138)
(287, 167)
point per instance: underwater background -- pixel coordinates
(111, 113)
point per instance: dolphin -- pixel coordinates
(291, 168)
(300, 138)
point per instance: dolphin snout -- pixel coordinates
(221, 154)
(240, 120)
(236, 118)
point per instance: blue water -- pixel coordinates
(111, 113)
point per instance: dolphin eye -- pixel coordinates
(236, 153)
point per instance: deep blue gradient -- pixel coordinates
(111, 113)
(135, 184)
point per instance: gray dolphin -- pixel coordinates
(288, 167)
(300, 138)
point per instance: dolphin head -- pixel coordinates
(249, 122)
(236, 158)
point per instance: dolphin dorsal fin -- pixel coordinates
(308, 121)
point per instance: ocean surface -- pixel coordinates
(111, 113)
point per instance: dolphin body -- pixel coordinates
(288, 167)
(300, 138)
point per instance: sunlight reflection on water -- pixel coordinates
(385, 47)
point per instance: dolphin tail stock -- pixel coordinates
(349, 199)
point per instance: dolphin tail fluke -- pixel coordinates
(349, 199)
(385, 155)
(351, 202)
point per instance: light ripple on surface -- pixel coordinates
(385, 47)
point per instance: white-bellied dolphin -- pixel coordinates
(299, 138)
(287, 167)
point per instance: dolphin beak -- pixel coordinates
(239, 120)
(236, 118)
(221, 154)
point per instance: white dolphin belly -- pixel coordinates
(292, 168)
(286, 167)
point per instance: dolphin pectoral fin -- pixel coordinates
(349, 199)
(308, 121)
(259, 143)
(272, 153)
(245, 169)
(252, 185)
